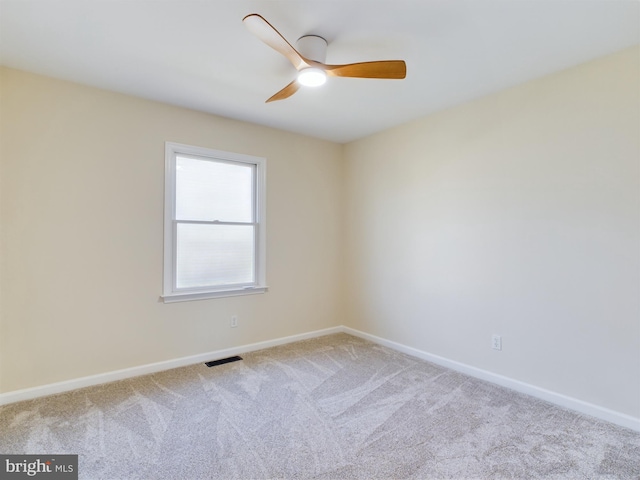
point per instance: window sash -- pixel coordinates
(207, 287)
(253, 168)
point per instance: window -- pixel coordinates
(214, 234)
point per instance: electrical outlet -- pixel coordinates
(233, 323)
(496, 342)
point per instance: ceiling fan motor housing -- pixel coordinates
(313, 47)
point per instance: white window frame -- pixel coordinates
(170, 292)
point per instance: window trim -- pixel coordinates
(170, 294)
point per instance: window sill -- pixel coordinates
(187, 297)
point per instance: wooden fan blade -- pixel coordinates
(286, 92)
(269, 35)
(392, 69)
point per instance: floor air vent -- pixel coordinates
(222, 361)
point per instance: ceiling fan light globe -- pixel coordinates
(312, 77)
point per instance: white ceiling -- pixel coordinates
(198, 54)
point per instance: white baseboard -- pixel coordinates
(541, 393)
(552, 397)
(60, 387)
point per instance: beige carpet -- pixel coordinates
(334, 407)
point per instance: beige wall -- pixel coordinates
(82, 178)
(516, 214)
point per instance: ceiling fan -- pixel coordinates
(312, 70)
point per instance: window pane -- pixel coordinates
(210, 190)
(214, 255)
